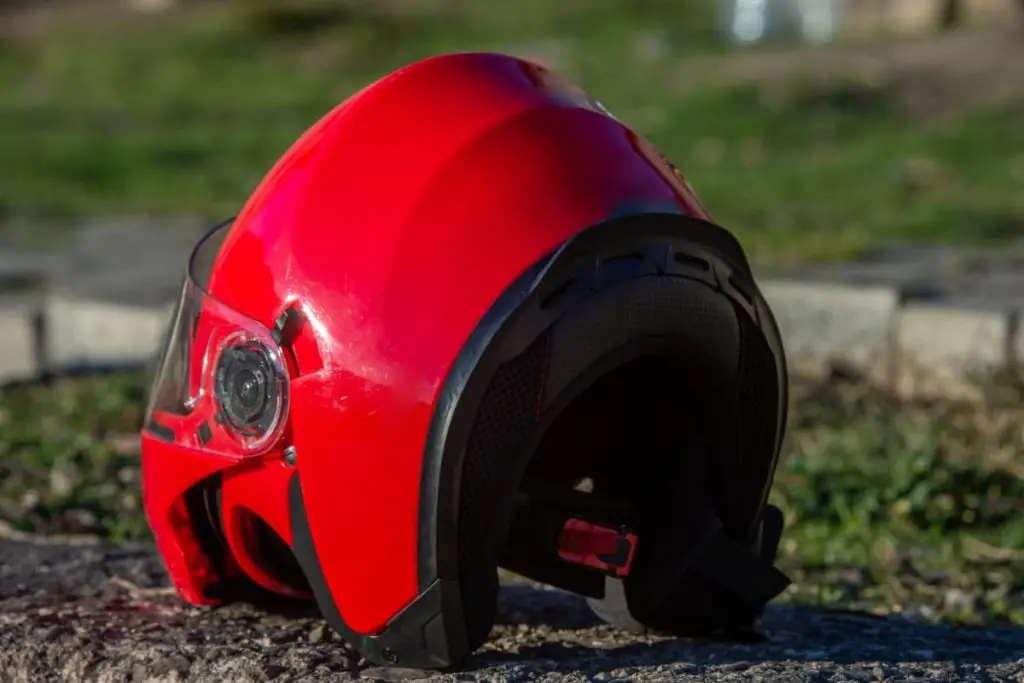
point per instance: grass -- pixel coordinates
(183, 113)
(897, 506)
(890, 506)
(70, 457)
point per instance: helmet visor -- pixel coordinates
(222, 383)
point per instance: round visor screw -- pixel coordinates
(290, 456)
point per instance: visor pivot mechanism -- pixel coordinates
(609, 550)
(286, 325)
(246, 390)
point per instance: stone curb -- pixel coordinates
(79, 334)
(875, 331)
(922, 348)
(19, 358)
(827, 324)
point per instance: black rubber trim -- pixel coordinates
(417, 637)
(772, 336)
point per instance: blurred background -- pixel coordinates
(818, 130)
(841, 123)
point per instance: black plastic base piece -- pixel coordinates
(418, 637)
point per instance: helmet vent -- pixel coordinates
(552, 298)
(623, 258)
(691, 261)
(271, 554)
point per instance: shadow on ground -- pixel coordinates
(794, 633)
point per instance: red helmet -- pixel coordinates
(470, 320)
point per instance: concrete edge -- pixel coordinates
(910, 347)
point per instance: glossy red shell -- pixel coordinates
(393, 225)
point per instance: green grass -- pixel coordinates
(184, 113)
(893, 505)
(69, 457)
(890, 506)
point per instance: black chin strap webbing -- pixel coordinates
(747, 572)
(688, 537)
(691, 538)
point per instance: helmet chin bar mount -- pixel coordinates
(245, 387)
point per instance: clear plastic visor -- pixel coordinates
(222, 383)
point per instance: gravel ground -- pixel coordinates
(96, 612)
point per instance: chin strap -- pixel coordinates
(748, 573)
(720, 593)
(692, 539)
(586, 534)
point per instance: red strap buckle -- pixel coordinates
(606, 549)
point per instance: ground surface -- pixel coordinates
(97, 613)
